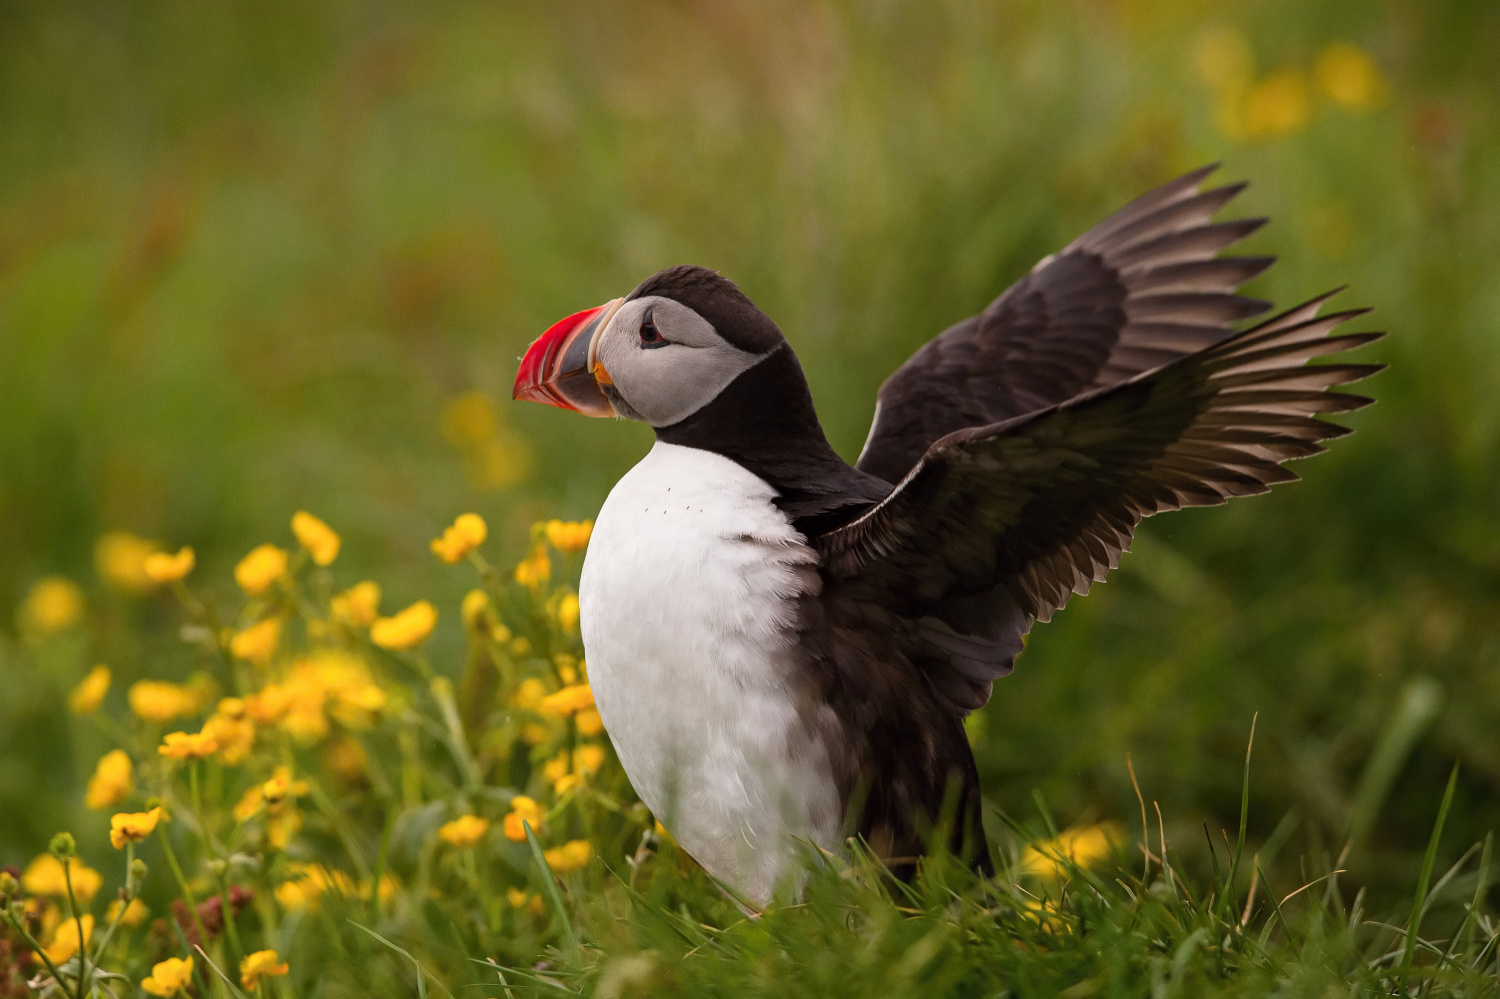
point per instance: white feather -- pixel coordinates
(688, 602)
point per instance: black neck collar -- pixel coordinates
(765, 421)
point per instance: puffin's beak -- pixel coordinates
(560, 369)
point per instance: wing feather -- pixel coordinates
(1139, 289)
(1040, 506)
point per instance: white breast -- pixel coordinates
(688, 596)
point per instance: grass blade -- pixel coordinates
(209, 961)
(380, 861)
(549, 885)
(421, 973)
(1480, 891)
(1428, 861)
(1239, 843)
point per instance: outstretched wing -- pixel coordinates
(1139, 289)
(1032, 510)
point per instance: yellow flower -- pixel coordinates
(533, 734)
(519, 899)
(536, 569)
(529, 694)
(570, 856)
(258, 570)
(53, 604)
(188, 745)
(556, 768)
(274, 794)
(45, 876)
(249, 804)
(1085, 846)
(464, 831)
(589, 722)
(261, 964)
(357, 606)
(156, 701)
(169, 977)
(132, 827)
(1277, 105)
(475, 603)
(384, 892)
(522, 808)
(134, 915)
(1350, 77)
(569, 536)
(317, 537)
(112, 782)
(280, 787)
(308, 883)
(269, 705)
(234, 733)
(588, 758)
(160, 567)
(567, 612)
(120, 558)
(348, 692)
(86, 697)
(406, 629)
(257, 643)
(65, 941)
(1046, 914)
(305, 695)
(569, 700)
(467, 533)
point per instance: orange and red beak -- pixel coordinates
(560, 367)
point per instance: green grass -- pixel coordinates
(250, 253)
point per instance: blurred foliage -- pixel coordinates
(263, 257)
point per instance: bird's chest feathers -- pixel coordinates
(689, 603)
(692, 565)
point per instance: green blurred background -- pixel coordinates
(263, 257)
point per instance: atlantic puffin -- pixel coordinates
(782, 646)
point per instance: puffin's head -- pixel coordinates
(657, 355)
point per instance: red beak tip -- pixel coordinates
(552, 371)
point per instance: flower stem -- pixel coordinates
(130, 893)
(83, 954)
(187, 893)
(227, 911)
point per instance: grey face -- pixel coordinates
(665, 361)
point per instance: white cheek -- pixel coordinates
(666, 385)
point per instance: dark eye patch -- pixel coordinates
(650, 335)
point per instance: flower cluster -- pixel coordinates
(1248, 107)
(310, 723)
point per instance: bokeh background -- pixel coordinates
(262, 257)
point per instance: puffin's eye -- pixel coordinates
(650, 335)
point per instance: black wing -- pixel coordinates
(1020, 515)
(1137, 290)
